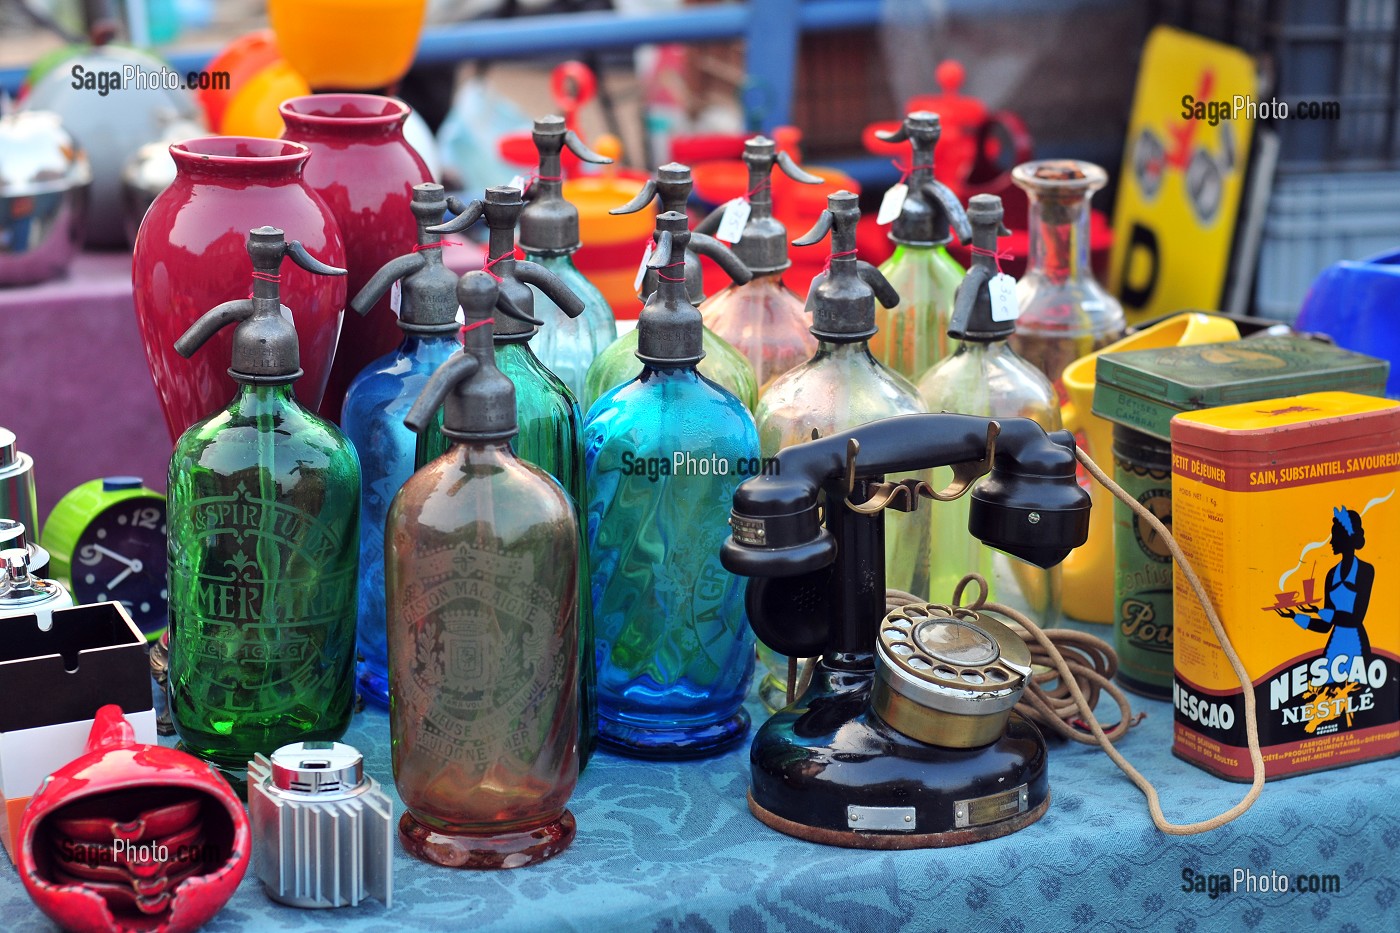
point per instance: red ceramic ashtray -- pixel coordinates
(116, 782)
(147, 897)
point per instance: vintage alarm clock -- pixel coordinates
(107, 538)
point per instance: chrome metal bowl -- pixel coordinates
(44, 182)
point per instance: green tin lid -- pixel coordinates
(1143, 389)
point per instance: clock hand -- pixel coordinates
(115, 556)
(112, 584)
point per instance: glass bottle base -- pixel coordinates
(374, 687)
(237, 779)
(674, 742)
(502, 850)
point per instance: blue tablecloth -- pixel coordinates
(672, 847)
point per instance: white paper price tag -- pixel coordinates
(461, 317)
(892, 204)
(396, 296)
(518, 182)
(642, 267)
(731, 225)
(1002, 289)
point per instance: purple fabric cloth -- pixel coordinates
(74, 385)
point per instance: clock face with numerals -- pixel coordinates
(121, 556)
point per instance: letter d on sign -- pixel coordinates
(1137, 294)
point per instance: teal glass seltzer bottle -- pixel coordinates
(664, 453)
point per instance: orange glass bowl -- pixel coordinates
(348, 45)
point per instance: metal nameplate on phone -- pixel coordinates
(750, 531)
(979, 811)
(881, 819)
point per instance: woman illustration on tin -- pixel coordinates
(1347, 594)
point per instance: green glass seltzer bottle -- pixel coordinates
(913, 335)
(264, 511)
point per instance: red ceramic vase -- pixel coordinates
(365, 171)
(191, 254)
(114, 767)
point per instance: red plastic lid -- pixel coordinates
(708, 147)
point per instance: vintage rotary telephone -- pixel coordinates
(906, 737)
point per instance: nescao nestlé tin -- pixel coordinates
(1288, 511)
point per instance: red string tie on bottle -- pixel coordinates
(905, 169)
(763, 185)
(997, 255)
(473, 326)
(826, 266)
(534, 177)
(273, 277)
(513, 254)
(661, 274)
(438, 245)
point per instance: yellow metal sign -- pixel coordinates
(1183, 173)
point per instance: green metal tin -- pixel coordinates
(1142, 571)
(1144, 389)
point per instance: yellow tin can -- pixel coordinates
(1288, 511)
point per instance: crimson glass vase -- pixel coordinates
(365, 171)
(191, 254)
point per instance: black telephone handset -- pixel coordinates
(818, 582)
